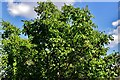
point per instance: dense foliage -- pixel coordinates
(61, 45)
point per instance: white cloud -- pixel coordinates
(21, 9)
(26, 9)
(116, 33)
(115, 42)
(17, 9)
(116, 23)
(10, 1)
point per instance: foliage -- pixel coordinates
(114, 62)
(62, 44)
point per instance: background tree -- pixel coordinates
(61, 44)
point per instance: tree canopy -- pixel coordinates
(61, 45)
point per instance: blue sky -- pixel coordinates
(106, 15)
